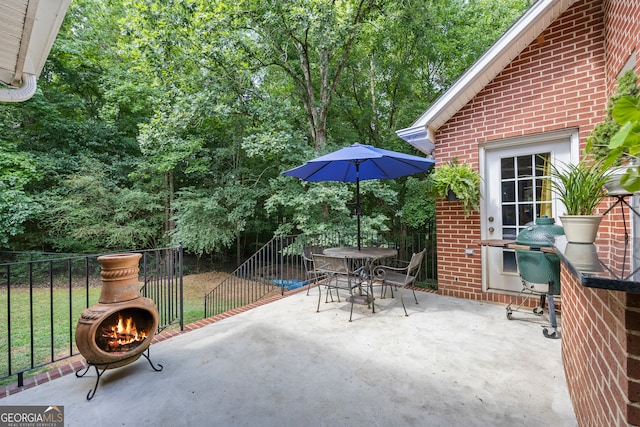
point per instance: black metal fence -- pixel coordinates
(42, 296)
(279, 266)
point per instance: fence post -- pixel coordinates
(180, 266)
(280, 257)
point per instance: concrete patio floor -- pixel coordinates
(452, 362)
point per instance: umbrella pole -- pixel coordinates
(358, 201)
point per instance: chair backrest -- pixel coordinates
(415, 263)
(308, 251)
(330, 264)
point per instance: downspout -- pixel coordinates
(23, 93)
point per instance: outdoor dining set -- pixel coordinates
(357, 270)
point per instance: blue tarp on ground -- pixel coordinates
(290, 284)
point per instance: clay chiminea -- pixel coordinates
(119, 328)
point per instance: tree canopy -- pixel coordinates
(165, 121)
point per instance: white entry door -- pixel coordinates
(516, 192)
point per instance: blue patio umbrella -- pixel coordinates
(360, 162)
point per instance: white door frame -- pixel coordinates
(570, 135)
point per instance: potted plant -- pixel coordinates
(580, 187)
(617, 157)
(627, 140)
(456, 181)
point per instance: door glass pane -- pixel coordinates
(544, 208)
(539, 185)
(509, 262)
(507, 168)
(509, 233)
(525, 214)
(508, 191)
(541, 162)
(508, 215)
(525, 166)
(525, 190)
(525, 196)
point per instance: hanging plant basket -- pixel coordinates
(458, 182)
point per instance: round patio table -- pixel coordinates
(368, 254)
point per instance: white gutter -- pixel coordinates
(23, 93)
(421, 137)
(28, 30)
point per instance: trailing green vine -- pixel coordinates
(601, 135)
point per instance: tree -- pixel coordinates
(89, 213)
(16, 205)
(309, 41)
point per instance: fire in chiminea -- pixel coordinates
(121, 335)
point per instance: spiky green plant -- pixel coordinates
(580, 186)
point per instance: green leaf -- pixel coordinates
(621, 136)
(630, 181)
(612, 157)
(627, 109)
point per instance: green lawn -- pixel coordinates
(49, 313)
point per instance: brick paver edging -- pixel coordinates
(79, 363)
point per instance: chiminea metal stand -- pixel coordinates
(100, 370)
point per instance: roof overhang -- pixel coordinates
(520, 35)
(28, 29)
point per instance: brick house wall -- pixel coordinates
(601, 353)
(600, 328)
(557, 82)
(562, 80)
(622, 36)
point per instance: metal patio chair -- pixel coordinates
(337, 275)
(400, 277)
(312, 276)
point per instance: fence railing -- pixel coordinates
(42, 296)
(279, 266)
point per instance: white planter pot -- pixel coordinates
(581, 228)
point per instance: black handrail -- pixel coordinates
(279, 266)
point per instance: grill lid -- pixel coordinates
(540, 233)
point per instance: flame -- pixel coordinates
(122, 335)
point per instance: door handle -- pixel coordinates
(491, 229)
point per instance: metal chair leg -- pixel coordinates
(414, 295)
(319, 297)
(401, 292)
